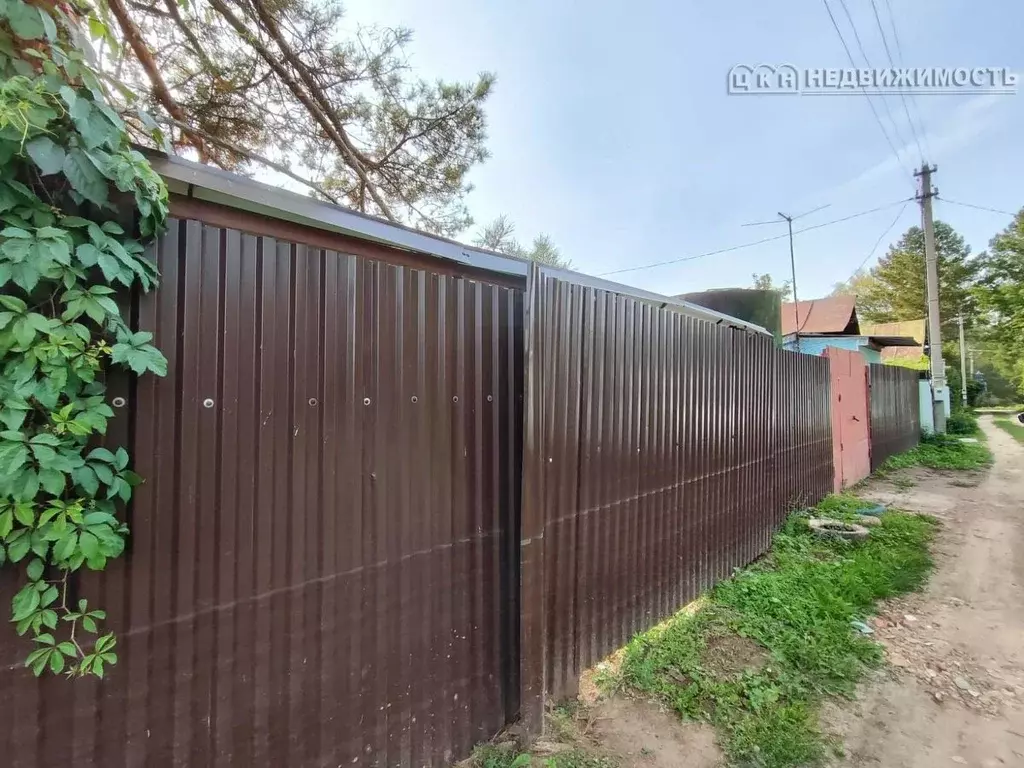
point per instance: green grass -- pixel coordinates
(941, 452)
(1001, 409)
(963, 424)
(506, 756)
(794, 609)
(1011, 426)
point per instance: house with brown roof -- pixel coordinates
(916, 329)
(813, 326)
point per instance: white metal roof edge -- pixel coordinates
(203, 182)
(218, 186)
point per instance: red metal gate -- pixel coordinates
(851, 438)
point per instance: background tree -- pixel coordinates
(897, 288)
(1000, 297)
(280, 83)
(499, 236)
(765, 282)
(856, 284)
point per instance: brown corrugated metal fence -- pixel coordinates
(329, 561)
(661, 451)
(895, 411)
(323, 563)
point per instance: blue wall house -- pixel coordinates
(812, 326)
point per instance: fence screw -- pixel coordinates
(118, 402)
(455, 399)
(366, 401)
(313, 401)
(208, 402)
(489, 398)
(414, 398)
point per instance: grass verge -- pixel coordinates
(777, 638)
(506, 756)
(564, 745)
(941, 452)
(963, 423)
(1011, 426)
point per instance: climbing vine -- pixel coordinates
(76, 204)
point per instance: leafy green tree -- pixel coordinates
(282, 83)
(765, 282)
(1000, 298)
(499, 236)
(70, 183)
(897, 289)
(856, 284)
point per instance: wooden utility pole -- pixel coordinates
(938, 367)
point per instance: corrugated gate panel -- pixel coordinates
(323, 566)
(850, 416)
(661, 451)
(895, 411)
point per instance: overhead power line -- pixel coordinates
(881, 237)
(978, 207)
(755, 242)
(867, 63)
(899, 57)
(903, 98)
(871, 104)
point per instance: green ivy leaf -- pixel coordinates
(102, 454)
(85, 478)
(26, 21)
(48, 26)
(25, 513)
(17, 549)
(53, 481)
(35, 569)
(24, 603)
(47, 155)
(94, 126)
(65, 546)
(85, 176)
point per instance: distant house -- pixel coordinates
(812, 326)
(915, 329)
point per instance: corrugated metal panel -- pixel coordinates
(850, 417)
(895, 411)
(661, 451)
(323, 561)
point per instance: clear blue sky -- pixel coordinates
(611, 128)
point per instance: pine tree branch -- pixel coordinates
(308, 80)
(315, 109)
(254, 157)
(133, 36)
(197, 47)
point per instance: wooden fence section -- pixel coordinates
(661, 452)
(895, 411)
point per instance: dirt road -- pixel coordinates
(954, 693)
